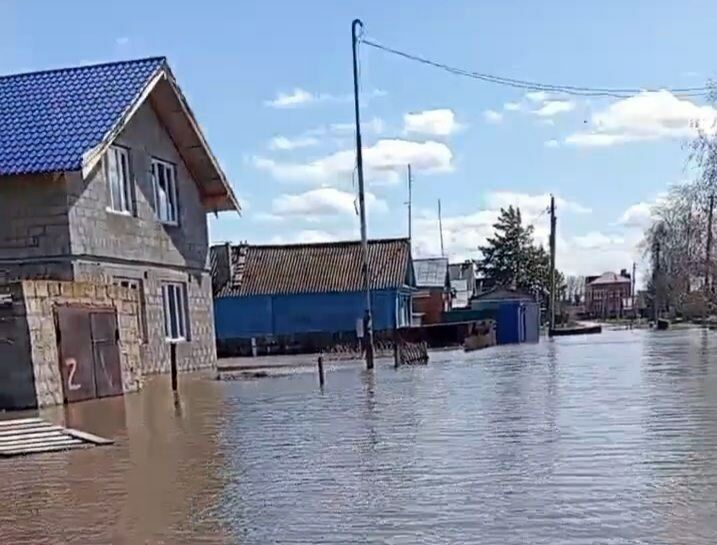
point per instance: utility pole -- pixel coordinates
(552, 265)
(368, 322)
(410, 201)
(634, 285)
(656, 281)
(708, 250)
(440, 227)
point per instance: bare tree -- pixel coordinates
(574, 289)
(680, 226)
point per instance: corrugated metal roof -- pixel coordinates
(312, 268)
(49, 119)
(609, 278)
(431, 273)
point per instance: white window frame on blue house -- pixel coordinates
(164, 183)
(119, 180)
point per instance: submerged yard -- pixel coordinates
(610, 438)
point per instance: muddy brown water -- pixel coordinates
(601, 439)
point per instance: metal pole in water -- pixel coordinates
(321, 370)
(173, 364)
(552, 265)
(368, 321)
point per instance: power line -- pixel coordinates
(532, 85)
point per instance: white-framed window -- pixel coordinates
(137, 285)
(164, 180)
(119, 182)
(174, 301)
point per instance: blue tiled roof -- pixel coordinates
(49, 119)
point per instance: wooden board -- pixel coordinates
(34, 435)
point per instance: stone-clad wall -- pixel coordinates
(34, 304)
(199, 351)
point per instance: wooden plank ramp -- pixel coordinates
(34, 435)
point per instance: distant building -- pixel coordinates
(433, 295)
(608, 295)
(463, 283)
(300, 289)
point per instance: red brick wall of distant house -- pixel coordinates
(430, 302)
(606, 300)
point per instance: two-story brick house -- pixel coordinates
(106, 176)
(608, 295)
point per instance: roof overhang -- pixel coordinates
(173, 111)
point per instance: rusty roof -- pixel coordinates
(311, 268)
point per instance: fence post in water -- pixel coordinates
(321, 370)
(173, 364)
(396, 350)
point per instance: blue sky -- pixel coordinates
(475, 146)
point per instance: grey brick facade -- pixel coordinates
(58, 226)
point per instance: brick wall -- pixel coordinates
(431, 303)
(199, 352)
(34, 305)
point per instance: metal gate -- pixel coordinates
(89, 355)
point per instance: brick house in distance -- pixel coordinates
(608, 295)
(105, 177)
(433, 290)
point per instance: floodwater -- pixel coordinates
(603, 439)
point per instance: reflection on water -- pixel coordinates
(608, 439)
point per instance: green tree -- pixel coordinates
(512, 258)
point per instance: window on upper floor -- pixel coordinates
(119, 182)
(164, 181)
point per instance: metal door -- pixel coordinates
(76, 359)
(108, 372)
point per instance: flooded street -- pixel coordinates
(604, 439)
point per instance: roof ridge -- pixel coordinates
(325, 243)
(82, 66)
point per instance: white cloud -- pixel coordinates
(551, 144)
(649, 115)
(537, 96)
(324, 201)
(554, 107)
(637, 215)
(532, 204)
(301, 97)
(382, 161)
(440, 122)
(491, 116)
(296, 98)
(308, 236)
(463, 234)
(512, 106)
(595, 239)
(286, 143)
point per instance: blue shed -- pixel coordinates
(275, 290)
(517, 314)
